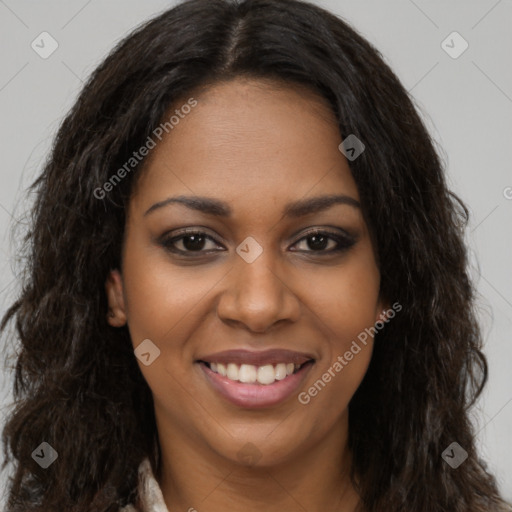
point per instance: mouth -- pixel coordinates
(251, 386)
(252, 374)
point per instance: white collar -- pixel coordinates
(149, 491)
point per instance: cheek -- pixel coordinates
(346, 300)
(166, 304)
(160, 298)
(163, 304)
(346, 303)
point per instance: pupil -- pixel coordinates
(197, 242)
(317, 242)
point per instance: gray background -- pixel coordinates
(466, 103)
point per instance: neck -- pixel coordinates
(315, 478)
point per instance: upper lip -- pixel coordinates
(257, 358)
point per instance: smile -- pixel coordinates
(280, 382)
(250, 374)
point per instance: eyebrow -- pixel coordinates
(302, 207)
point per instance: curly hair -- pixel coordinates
(77, 385)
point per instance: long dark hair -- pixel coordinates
(77, 384)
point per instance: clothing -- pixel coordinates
(149, 492)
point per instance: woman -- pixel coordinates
(246, 283)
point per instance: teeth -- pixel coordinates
(281, 371)
(249, 373)
(232, 372)
(266, 374)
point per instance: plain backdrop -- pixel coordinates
(465, 101)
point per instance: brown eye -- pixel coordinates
(189, 242)
(317, 241)
(325, 242)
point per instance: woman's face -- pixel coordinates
(253, 279)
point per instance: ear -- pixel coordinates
(116, 315)
(382, 310)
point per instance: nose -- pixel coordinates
(256, 297)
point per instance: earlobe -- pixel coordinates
(382, 311)
(116, 315)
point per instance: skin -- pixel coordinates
(257, 146)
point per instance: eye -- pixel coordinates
(189, 241)
(193, 241)
(319, 240)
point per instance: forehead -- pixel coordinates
(250, 139)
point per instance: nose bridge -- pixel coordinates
(257, 295)
(257, 285)
(259, 276)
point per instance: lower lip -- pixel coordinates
(256, 395)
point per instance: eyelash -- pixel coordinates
(344, 242)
